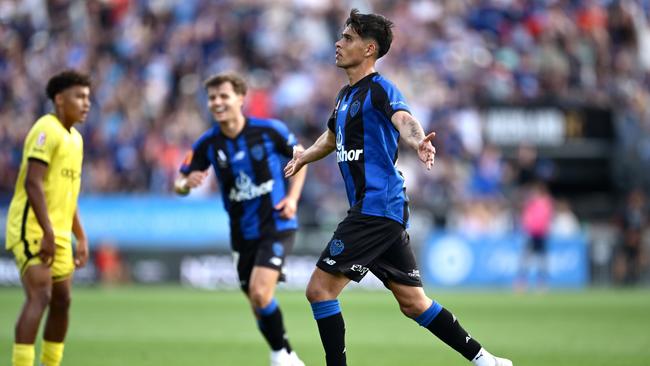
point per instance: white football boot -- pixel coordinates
(295, 361)
(280, 358)
(502, 361)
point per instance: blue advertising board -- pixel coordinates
(141, 221)
(453, 259)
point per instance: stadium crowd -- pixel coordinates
(149, 57)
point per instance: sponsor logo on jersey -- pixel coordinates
(399, 102)
(245, 190)
(70, 173)
(329, 261)
(276, 261)
(336, 247)
(343, 155)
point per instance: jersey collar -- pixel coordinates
(364, 80)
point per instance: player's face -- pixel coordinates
(351, 49)
(224, 104)
(74, 103)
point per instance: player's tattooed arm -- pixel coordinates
(411, 131)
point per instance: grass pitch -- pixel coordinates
(177, 326)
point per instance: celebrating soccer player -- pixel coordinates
(43, 216)
(369, 118)
(247, 155)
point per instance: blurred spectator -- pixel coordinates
(110, 267)
(536, 217)
(629, 256)
(148, 58)
(564, 223)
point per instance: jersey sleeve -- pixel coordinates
(196, 159)
(388, 99)
(284, 139)
(41, 143)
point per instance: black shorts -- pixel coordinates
(267, 252)
(363, 243)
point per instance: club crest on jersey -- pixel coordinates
(245, 190)
(343, 155)
(257, 152)
(336, 247)
(354, 108)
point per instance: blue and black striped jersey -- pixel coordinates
(366, 147)
(249, 169)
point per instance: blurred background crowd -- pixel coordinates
(450, 58)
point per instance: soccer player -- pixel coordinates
(43, 216)
(247, 155)
(370, 117)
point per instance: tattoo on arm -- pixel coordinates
(414, 129)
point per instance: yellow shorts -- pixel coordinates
(62, 267)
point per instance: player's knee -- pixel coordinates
(39, 296)
(259, 296)
(317, 294)
(60, 302)
(413, 308)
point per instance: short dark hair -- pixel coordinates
(238, 82)
(64, 80)
(373, 26)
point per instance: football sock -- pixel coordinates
(272, 326)
(445, 326)
(332, 331)
(23, 355)
(52, 353)
(484, 358)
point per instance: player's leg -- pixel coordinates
(264, 276)
(322, 292)
(56, 325)
(37, 283)
(267, 310)
(397, 268)
(358, 240)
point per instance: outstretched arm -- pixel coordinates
(320, 149)
(411, 131)
(289, 204)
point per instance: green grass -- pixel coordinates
(177, 326)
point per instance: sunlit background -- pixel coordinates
(518, 92)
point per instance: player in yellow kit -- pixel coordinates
(43, 216)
